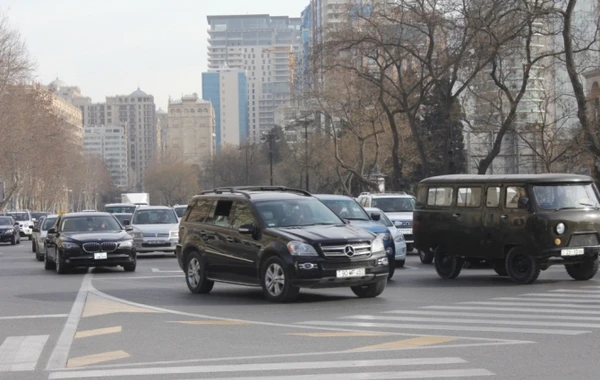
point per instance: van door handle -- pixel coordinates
(455, 215)
(504, 217)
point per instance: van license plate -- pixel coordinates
(572, 252)
(351, 273)
(100, 256)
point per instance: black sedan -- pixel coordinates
(94, 239)
(9, 230)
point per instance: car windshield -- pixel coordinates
(20, 216)
(122, 217)
(101, 223)
(296, 213)
(4, 221)
(48, 222)
(38, 215)
(154, 217)
(567, 196)
(385, 220)
(180, 211)
(120, 209)
(394, 204)
(346, 209)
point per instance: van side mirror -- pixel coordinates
(247, 229)
(376, 216)
(524, 203)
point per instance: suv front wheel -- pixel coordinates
(276, 281)
(370, 290)
(195, 274)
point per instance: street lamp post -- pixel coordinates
(306, 153)
(270, 137)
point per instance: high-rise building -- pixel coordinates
(227, 90)
(109, 143)
(162, 118)
(264, 47)
(70, 114)
(191, 130)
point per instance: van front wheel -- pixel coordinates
(521, 268)
(447, 267)
(583, 271)
(426, 256)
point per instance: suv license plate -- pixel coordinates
(351, 273)
(100, 256)
(572, 252)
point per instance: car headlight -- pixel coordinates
(137, 235)
(173, 234)
(399, 238)
(298, 248)
(377, 245)
(69, 245)
(126, 244)
(386, 236)
(560, 228)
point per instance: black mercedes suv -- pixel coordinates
(279, 239)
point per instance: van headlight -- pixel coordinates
(377, 246)
(560, 228)
(298, 248)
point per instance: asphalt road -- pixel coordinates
(108, 324)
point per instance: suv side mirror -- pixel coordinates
(52, 230)
(247, 229)
(523, 203)
(376, 216)
(127, 222)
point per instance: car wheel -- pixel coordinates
(521, 268)
(392, 268)
(400, 263)
(33, 246)
(583, 271)
(369, 290)
(426, 256)
(195, 274)
(60, 266)
(447, 266)
(275, 281)
(130, 267)
(48, 265)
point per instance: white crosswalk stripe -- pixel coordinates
(379, 369)
(21, 353)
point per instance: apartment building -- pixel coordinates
(109, 143)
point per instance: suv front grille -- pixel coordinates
(348, 265)
(358, 249)
(98, 247)
(583, 240)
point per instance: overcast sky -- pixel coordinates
(108, 47)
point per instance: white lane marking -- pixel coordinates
(558, 295)
(489, 321)
(558, 300)
(446, 327)
(133, 277)
(525, 303)
(492, 315)
(60, 354)
(257, 367)
(21, 353)
(156, 270)
(589, 287)
(515, 309)
(575, 291)
(44, 316)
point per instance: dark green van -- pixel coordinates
(519, 224)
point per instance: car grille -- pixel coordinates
(160, 234)
(100, 247)
(146, 245)
(348, 265)
(583, 240)
(348, 250)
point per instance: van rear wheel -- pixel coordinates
(447, 266)
(521, 268)
(583, 271)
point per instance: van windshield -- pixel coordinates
(567, 196)
(394, 204)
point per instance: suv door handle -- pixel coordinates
(504, 217)
(230, 239)
(455, 215)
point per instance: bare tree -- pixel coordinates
(172, 181)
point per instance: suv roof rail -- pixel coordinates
(245, 189)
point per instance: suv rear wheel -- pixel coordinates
(583, 271)
(447, 266)
(276, 281)
(195, 274)
(370, 290)
(521, 268)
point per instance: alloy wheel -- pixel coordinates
(193, 274)
(275, 279)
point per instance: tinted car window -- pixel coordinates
(154, 217)
(120, 209)
(219, 215)
(346, 209)
(293, 213)
(20, 216)
(48, 223)
(200, 211)
(122, 218)
(6, 221)
(241, 215)
(180, 211)
(394, 204)
(89, 224)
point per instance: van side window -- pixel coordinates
(492, 198)
(200, 211)
(469, 197)
(513, 193)
(440, 196)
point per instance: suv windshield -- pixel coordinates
(38, 215)
(394, 204)
(20, 216)
(48, 222)
(346, 209)
(180, 211)
(101, 223)
(561, 197)
(4, 221)
(296, 213)
(154, 217)
(120, 209)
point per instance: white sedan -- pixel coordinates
(399, 242)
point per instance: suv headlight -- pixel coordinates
(69, 245)
(399, 238)
(377, 245)
(126, 244)
(298, 248)
(560, 228)
(174, 235)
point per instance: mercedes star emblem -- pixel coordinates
(349, 251)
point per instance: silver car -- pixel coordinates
(155, 228)
(39, 235)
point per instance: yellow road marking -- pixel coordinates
(97, 358)
(96, 332)
(212, 322)
(413, 342)
(337, 334)
(96, 305)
